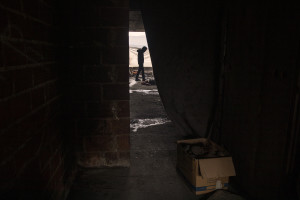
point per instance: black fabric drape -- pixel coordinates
(184, 43)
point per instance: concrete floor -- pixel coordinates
(152, 174)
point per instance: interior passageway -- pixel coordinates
(225, 70)
(152, 173)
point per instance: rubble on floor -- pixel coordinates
(148, 82)
(223, 195)
(204, 149)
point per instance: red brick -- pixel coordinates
(21, 23)
(26, 129)
(111, 157)
(116, 92)
(14, 5)
(123, 109)
(88, 55)
(89, 36)
(104, 36)
(108, 109)
(58, 176)
(13, 53)
(87, 92)
(96, 74)
(30, 180)
(44, 156)
(99, 143)
(56, 160)
(121, 126)
(124, 156)
(122, 73)
(8, 145)
(16, 136)
(94, 127)
(47, 172)
(117, 3)
(48, 53)
(38, 97)
(20, 105)
(51, 91)
(32, 8)
(118, 37)
(106, 74)
(115, 17)
(5, 114)
(104, 127)
(34, 121)
(8, 172)
(27, 29)
(54, 108)
(75, 109)
(6, 84)
(42, 74)
(123, 142)
(22, 79)
(91, 159)
(99, 110)
(46, 13)
(31, 171)
(29, 150)
(116, 55)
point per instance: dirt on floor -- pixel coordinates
(152, 174)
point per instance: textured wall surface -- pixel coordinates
(97, 103)
(33, 159)
(63, 93)
(64, 87)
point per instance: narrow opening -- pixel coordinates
(138, 40)
(152, 135)
(146, 109)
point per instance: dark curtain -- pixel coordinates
(185, 46)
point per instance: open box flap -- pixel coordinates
(216, 167)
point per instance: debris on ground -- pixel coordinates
(132, 72)
(204, 149)
(149, 82)
(224, 195)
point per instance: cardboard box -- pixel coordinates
(208, 172)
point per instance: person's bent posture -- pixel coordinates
(141, 63)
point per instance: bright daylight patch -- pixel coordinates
(144, 123)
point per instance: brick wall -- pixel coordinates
(33, 159)
(64, 89)
(97, 83)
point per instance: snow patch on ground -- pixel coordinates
(132, 82)
(144, 123)
(154, 91)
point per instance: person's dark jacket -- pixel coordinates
(140, 56)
